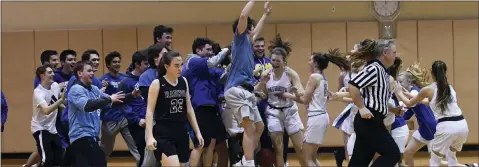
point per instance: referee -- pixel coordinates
(370, 92)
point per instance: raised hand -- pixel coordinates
(117, 97)
(267, 8)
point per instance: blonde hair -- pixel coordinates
(392, 83)
(419, 75)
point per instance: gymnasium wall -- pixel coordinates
(453, 41)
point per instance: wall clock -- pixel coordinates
(386, 13)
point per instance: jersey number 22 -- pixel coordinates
(176, 105)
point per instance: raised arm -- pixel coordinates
(259, 26)
(200, 65)
(243, 18)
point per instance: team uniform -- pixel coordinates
(399, 128)
(344, 120)
(425, 119)
(43, 126)
(451, 130)
(281, 113)
(114, 121)
(171, 116)
(318, 118)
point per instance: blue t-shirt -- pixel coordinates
(147, 77)
(242, 61)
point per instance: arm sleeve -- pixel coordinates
(38, 99)
(215, 60)
(80, 100)
(124, 88)
(365, 78)
(408, 114)
(197, 66)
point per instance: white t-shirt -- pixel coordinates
(40, 121)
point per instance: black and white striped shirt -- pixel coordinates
(373, 83)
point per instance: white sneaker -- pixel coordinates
(238, 164)
(444, 162)
(34, 165)
(248, 163)
(286, 164)
(244, 162)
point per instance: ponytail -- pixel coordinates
(443, 90)
(335, 57)
(418, 75)
(366, 50)
(166, 60)
(322, 60)
(280, 47)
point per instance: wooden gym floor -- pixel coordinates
(326, 159)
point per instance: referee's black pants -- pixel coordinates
(373, 137)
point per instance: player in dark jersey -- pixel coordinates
(169, 103)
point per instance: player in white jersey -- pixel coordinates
(316, 95)
(451, 130)
(281, 113)
(344, 121)
(47, 98)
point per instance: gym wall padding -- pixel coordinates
(453, 41)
